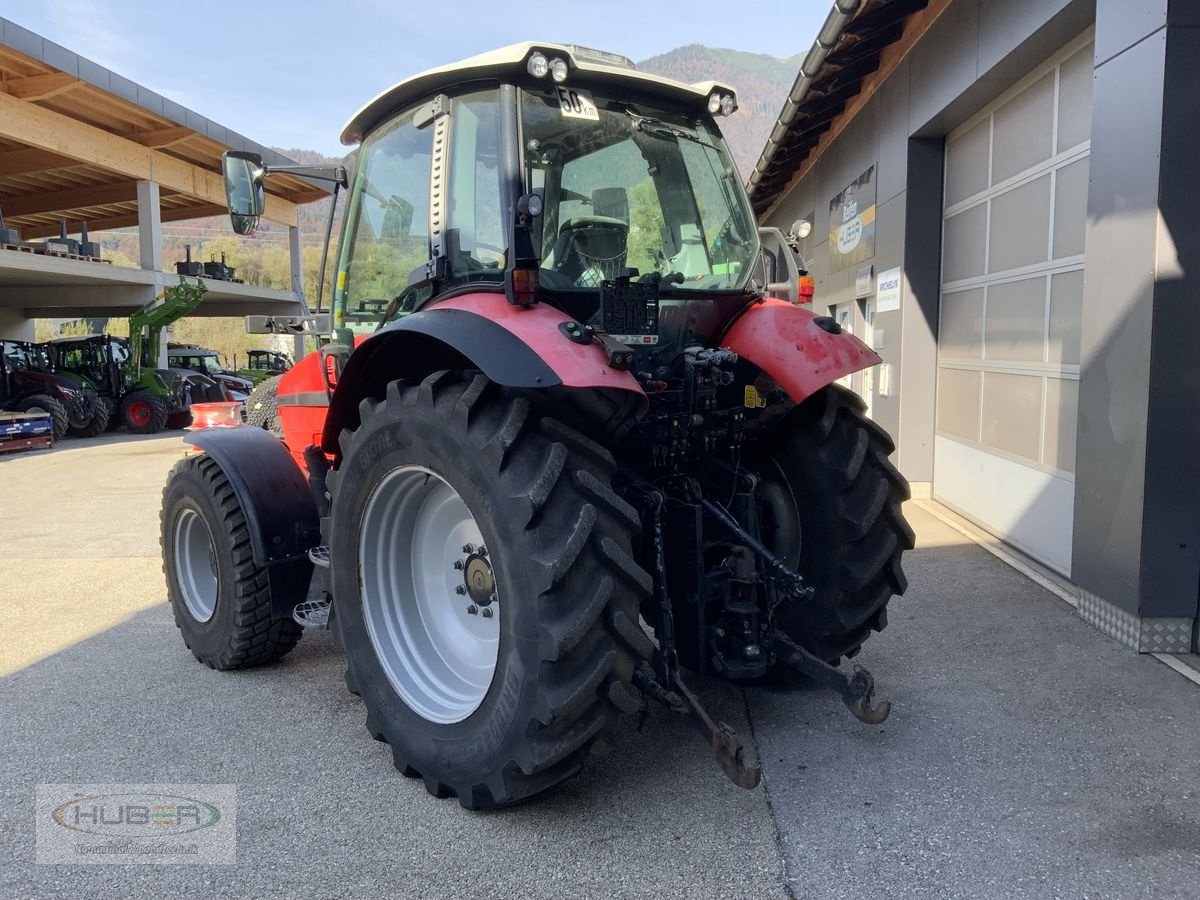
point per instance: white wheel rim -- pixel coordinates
(196, 565)
(417, 544)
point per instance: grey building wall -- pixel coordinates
(1137, 540)
(972, 53)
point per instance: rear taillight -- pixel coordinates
(522, 286)
(806, 288)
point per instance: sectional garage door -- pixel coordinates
(1011, 296)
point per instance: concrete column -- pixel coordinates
(1136, 548)
(14, 326)
(150, 240)
(297, 259)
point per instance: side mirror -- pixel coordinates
(787, 287)
(244, 175)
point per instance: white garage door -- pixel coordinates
(1011, 294)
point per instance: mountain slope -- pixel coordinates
(761, 83)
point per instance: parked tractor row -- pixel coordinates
(90, 384)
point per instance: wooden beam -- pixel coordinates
(889, 58)
(41, 87)
(169, 214)
(65, 201)
(22, 162)
(45, 129)
(162, 137)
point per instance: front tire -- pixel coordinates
(566, 588)
(221, 599)
(98, 423)
(832, 490)
(143, 413)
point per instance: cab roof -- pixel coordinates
(599, 67)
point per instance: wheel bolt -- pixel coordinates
(482, 550)
(460, 589)
(468, 548)
(487, 612)
(474, 610)
(458, 564)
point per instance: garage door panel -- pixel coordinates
(961, 334)
(1023, 130)
(963, 244)
(967, 164)
(1066, 308)
(1015, 330)
(1075, 99)
(1070, 208)
(1020, 226)
(1012, 414)
(958, 402)
(1062, 406)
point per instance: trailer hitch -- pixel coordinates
(856, 690)
(727, 747)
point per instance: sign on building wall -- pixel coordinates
(887, 293)
(852, 223)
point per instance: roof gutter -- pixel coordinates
(835, 23)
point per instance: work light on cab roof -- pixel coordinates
(569, 386)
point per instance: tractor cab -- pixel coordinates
(552, 174)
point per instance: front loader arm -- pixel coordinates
(146, 325)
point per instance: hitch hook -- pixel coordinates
(856, 691)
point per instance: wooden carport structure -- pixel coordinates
(80, 142)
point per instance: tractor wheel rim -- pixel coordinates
(196, 565)
(139, 412)
(436, 637)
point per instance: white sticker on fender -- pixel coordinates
(576, 103)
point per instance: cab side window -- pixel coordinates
(387, 225)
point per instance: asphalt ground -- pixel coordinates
(1026, 756)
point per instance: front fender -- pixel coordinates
(519, 347)
(790, 344)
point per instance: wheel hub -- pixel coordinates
(480, 580)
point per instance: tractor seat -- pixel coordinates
(591, 249)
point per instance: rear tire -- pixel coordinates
(262, 406)
(98, 424)
(143, 413)
(47, 404)
(220, 598)
(566, 588)
(833, 471)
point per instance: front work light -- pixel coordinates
(714, 103)
(538, 65)
(558, 70)
(727, 106)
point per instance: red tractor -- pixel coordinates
(560, 405)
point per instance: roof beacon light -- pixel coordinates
(538, 66)
(559, 70)
(714, 104)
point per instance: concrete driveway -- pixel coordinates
(1027, 754)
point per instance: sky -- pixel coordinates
(291, 74)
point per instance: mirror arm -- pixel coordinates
(335, 174)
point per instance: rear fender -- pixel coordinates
(519, 347)
(802, 351)
(277, 502)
